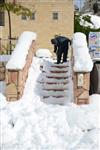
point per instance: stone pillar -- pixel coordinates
(16, 79)
(81, 87)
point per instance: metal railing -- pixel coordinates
(7, 45)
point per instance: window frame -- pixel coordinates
(33, 17)
(23, 17)
(55, 15)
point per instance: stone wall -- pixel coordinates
(16, 79)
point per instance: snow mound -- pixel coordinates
(79, 40)
(43, 53)
(3, 101)
(29, 124)
(18, 57)
(83, 61)
(94, 21)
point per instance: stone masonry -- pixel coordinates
(15, 79)
(81, 87)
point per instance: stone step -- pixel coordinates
(54, 93)
(55, 77)
(54, 89)
(55, 66)
(54, 83)
(61, 100)
(53, 96)
(58, 71)
(57, 83)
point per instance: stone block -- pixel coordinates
(81, 87)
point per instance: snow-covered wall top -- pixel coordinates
(18, 57)
(82, 59)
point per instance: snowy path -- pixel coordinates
(30, 124)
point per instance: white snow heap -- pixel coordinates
(18, 57)
(29, 124)
(96, 21)
(82, 59)
(44, 53)
(94, 24)
(3, 101)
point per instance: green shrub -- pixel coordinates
(83, 29)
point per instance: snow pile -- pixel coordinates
(4, 58)
(43, 53)
(82, 59)
(18, 57)
(2, 87)
(94, 21)
(30, 124)
(3, 101)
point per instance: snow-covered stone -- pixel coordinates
(82, 59)
(18, 57)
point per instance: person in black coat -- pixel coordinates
(61, 46)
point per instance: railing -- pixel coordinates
(7, 46)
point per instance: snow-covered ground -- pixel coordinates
(30, 124)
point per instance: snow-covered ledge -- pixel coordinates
(18, 65)
(82, 66)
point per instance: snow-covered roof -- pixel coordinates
(18, 57)
(82, 59)
(42, 52)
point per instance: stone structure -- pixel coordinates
(15, 79)
(50, 17)
(81, 87)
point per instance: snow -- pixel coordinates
(2, 87)
(30, 124)
(43, 53)
(95, 21)
(4, 58)
(18, 57)
(82, 59)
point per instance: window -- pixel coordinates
(55, 16)
(24, 17)
(2, 18)
(32, 17)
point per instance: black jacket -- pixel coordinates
(61, 42)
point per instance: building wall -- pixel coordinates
(44, 25)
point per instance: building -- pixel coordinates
(49, 18)
(88, 6)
